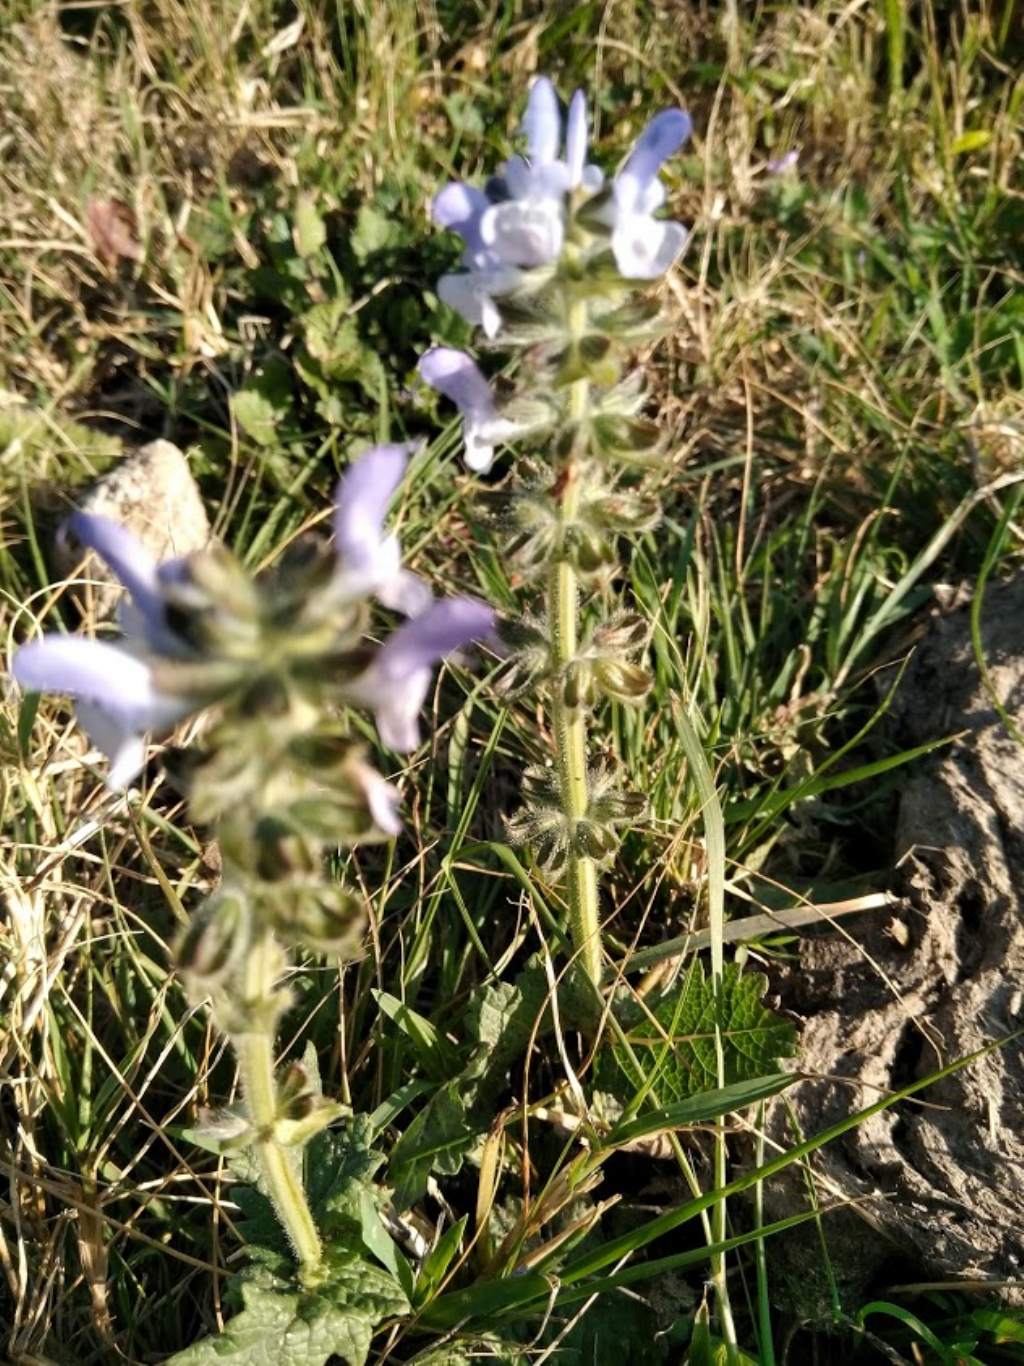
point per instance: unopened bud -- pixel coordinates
(595, 841)
(578, 684)
(631, 440)
(624, 632)
(622, 681)
(589, 552)
(215, 939)
(295, 1130)
(323, 918)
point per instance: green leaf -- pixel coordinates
(973, 141)
(437, 1262)
(309, 232)
(374, 231)
(256, 416)
(700, 1109)
(503, 1017)
(281, 1325)
(437, 1140)
(332, 337)
(335, 352)
(433, 1051)
(675, 1052)
(1005, 1325)
(339, 1168)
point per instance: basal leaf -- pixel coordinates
(256, 416)
(675, 1051)
(437, 1140)
(281, 1325)
(339, 1168)
(309, 232)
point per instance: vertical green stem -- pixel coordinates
(714, 834)
(570, 724)
(279, 1167)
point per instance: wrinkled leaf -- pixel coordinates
(677, 1047)
(283, 1326)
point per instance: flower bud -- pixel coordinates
(294, 1131)
(622, 633)
(627, 440)
(321, 917)
(215, 939)
(595, 841)
(622, 681)
(588, 551)
(221, 1131)
(578, 684)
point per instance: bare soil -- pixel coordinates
(885, 1001)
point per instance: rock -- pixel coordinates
(944, 1175)
(152, 493)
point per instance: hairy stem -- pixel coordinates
(279, 1167)
(570, 724)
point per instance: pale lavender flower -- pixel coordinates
(459, 378)
(645, 246)
(396, 683)
(780, 165)
(117, 700)
(113, 684)
(142, 615)
(115, 692)
(381, 797)
(527, 228)
(369, 560)
(520, 224)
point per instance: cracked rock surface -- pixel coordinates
(906, 993)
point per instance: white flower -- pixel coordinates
(645, 246)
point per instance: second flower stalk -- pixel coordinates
(551, 261)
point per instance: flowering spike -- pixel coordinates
(571, 251)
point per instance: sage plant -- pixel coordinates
(557, 269)
(280, 661)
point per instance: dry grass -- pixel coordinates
(845, 363)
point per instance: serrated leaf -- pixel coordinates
(676, 1051)
(281, 1325)
(339, 1168)
(503, 1017)
(332, 337)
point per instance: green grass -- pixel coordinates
(842, 374)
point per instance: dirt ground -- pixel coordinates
(886, 1000)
